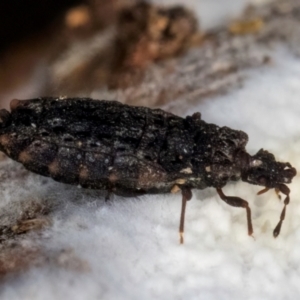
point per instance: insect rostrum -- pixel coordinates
(135, 150)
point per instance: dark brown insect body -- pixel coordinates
(135, 150)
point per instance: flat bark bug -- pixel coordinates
(136, 150)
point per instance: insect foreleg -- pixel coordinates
(286, 191)
(238, 202)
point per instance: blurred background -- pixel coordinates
(149, 53)
(101, 48)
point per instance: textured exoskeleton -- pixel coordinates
(135, 150)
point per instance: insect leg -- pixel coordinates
(286, 191)
(186, 196)
(238, 202)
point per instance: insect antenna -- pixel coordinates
(286, 191)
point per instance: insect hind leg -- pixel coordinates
(238, 202)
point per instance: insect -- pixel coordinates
(132, 151)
